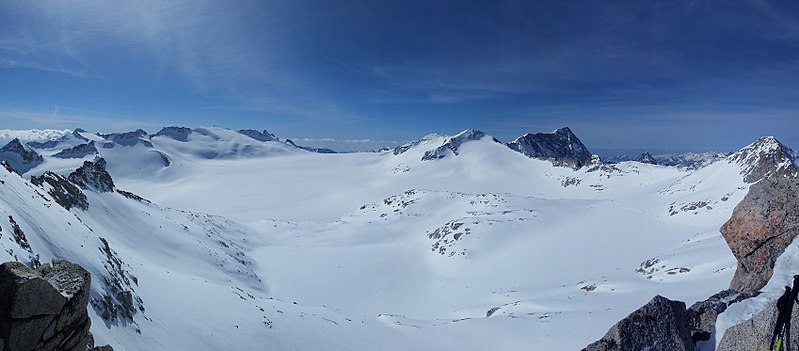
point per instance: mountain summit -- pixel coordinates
(764, 157)
(20, 156)
(562, 147)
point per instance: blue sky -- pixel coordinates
(639, 74)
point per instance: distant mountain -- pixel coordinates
(764, 157)
(133, 138)
(453, 144)
(646, 157)
(53, 143)
(407, 146)
(79, 151)
(689, 160)
(177, 133)
(260, 136)
(319, 150)
(20, 156)
(561, 146)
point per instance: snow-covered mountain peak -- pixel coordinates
(453, 144)
(424, 140)
(20, 156)
(765, 156)
(560, 146)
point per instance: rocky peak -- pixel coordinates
(260, 136)
(20, 156)
(561, 147)
(78, 151)
(177, 133)
(646, 157)
(93, 176)
(128, 138)
(764, 157)
(454, 143)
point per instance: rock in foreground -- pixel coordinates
(45, 308)
(661, 324)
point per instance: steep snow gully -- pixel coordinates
(213, 239)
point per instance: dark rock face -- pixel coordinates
(763, 158)
(20, 156)
(260, 136)
(562, 147)
(703, 314)
(405, 147)
(79, 151)
(454, 143)
(318, 150)
(93, 176)
(646, 157)
(762, 225)
(755, 334)
(62, 190)
(661, 324)
(177, 133)
(44, 309)
(128, 138)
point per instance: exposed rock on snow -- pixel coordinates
(454, 143)
(93, 176)
(44, 309)
(128, 138)
(63, 191)
(53, 143)
(755, 333)
(562, 147)
(20, 156)
(177, 133)
(763, 158)
(260, 136)
(79, 151)
(646, 157)
(661, 324)
(703, 314)
(319, 150)
(405, 147)
(762, 225)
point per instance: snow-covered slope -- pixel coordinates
(244, 243)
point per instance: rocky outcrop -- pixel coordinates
(703, 314)
(318, 150)
(661, 324)
(454, 143)
(79, 151)
(762, 225)
(755, 333)
(260, 136)
(646, 157)
(177, 133)
(127, 139)
(93, 176)
(561, 147)
(20, 156)
(405, 147)
(45, 308)
(62, 190)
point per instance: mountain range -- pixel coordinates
(210, 238)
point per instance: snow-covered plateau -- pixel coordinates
(213, 239)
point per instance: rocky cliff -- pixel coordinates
(763, 224)
(44, 308)
(561, 147)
